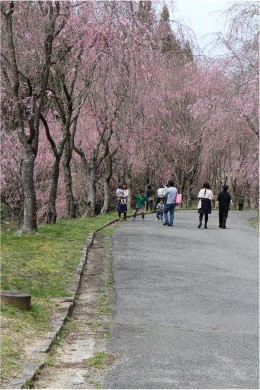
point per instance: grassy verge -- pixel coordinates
(43, 266)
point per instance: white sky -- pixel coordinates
(203, 17)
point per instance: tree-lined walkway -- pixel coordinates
(186, 313)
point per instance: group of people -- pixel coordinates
(143, 200)
(205, 197)
(166, 202)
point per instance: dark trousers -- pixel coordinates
(119, 215)
(121, 208)
(240, 207)
(206, 218)
(223, 214)
(149, 206)
(159, 215)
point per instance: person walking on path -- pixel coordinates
(124, 199)
(240, 201)
(159, 210)
(170, 200)
(205, 197)
(140, 198)
(224, 200)
(150, 195)
(160, 193)
(121, 194)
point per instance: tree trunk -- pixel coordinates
(71, 205)
(105, 208)
(248, 195)
(106, 204)
(129, 187)
(184, 195)
(188, 194)
(90, 170)
(27, 174)
(91, 191)
(51, 212)
(234, 188)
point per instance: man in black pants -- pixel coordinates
(224, 200)
(240, 202)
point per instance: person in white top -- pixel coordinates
(122, 194)
(160, 193)
(205, 197)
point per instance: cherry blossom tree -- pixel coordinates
(10, 180)
(113, 92)
(231, 105)
(25, 26)
(109, 94)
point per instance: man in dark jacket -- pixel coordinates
(224, 200)
(240, 202)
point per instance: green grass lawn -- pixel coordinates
(42, 265)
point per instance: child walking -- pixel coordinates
(141, 198)
(159, 210)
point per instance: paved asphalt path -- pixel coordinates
(186, 304)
